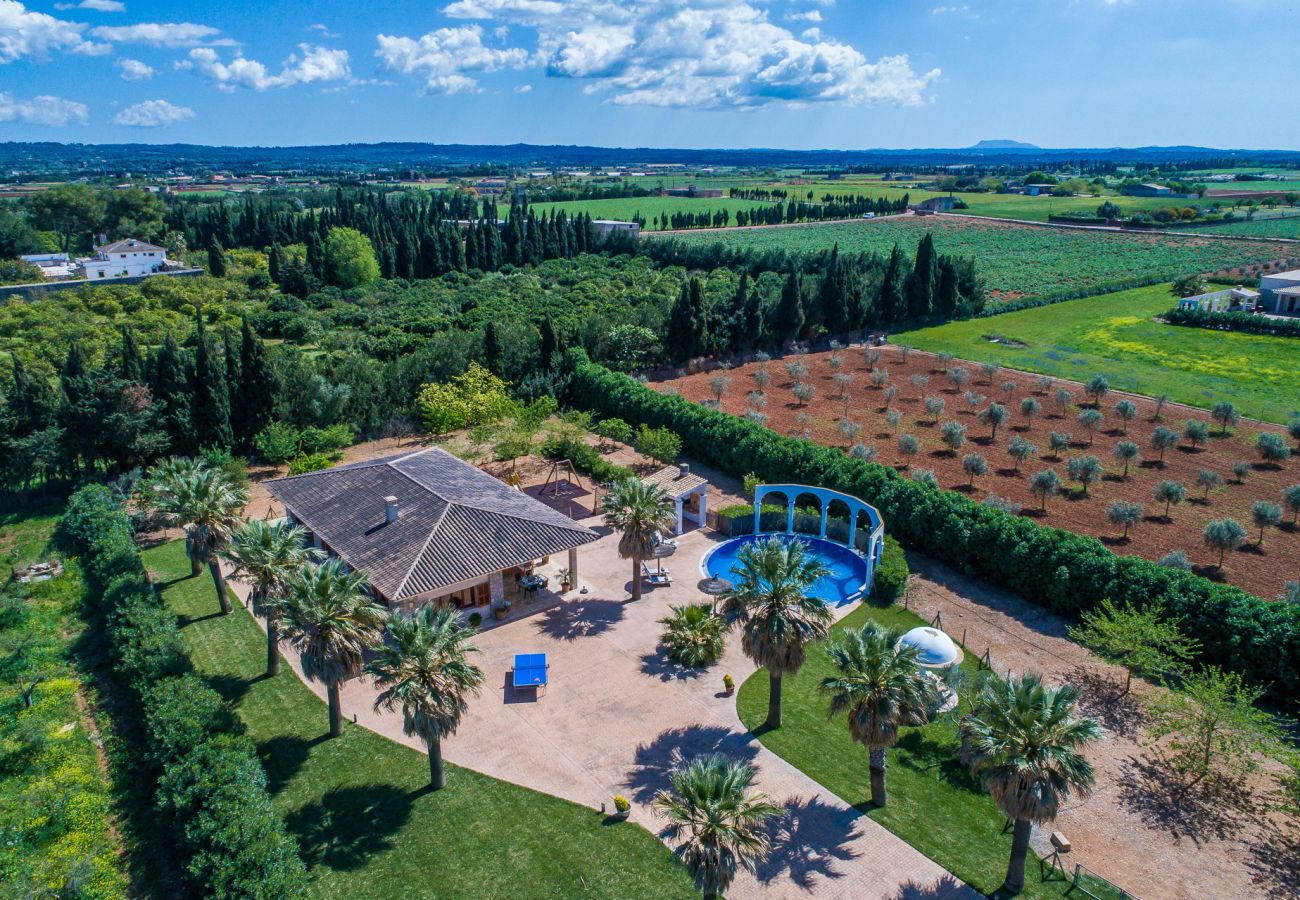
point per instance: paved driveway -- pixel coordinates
(617, 716)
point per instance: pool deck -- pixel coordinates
(617, 716)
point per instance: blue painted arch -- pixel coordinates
(827, 500)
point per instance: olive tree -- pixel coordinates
(1126, 452)
(908, 445)
(1272, 448)
(1125, 513)
(1029, 407)
(976, 466)
(1091, 420)
(1196, 432)
(1126, 411)
(1058, 442)
(1170, 493)
(1208, 479)
(994, 416)
(953, 434)
(1163, 439)
(1291, 498)
(1020, 450)
(1083, 469)
(1044, 484)
(1265, 514)
(1223, 535)
(1225, 413)
(1097, 388)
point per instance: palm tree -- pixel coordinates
(330, 619)
(424, 669)
(778, 619)
(640, 511)
(1026, 740)
(719, 819)
(880, 686)
(206, 504)
(265, 555)
(693, 635)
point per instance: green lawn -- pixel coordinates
(648, 208)
(358, 804)
(1113, 334)
(934, 803)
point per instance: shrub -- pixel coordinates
(304, 463)
(475, 619)
(277, 443)
(327, 441)
(925, 477)
(585, 458)
(621, 803)
(693, 635)
(1065, 572)
(660, 444)
(476, 397)
(1176, 559)
(614, 429)
(891, 573)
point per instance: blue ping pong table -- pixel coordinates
(530, 671)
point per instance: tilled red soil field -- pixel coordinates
(1262, 569)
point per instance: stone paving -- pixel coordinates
(618, 715)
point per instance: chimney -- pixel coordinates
(391, 510)
(683, 470)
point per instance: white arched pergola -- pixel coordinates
(825, 497)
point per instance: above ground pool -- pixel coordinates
(845, 583)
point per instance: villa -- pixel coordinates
(426, 527)
(125, 259)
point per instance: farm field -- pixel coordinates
(1025, 260)
(1263, 570)
(1281, 227)
(1114, 335)
(649, 208)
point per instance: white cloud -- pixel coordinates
(810, 15)
(24, 33)
(323, 30)
(448, 58)
(701, 54)
(315, 64)
(523, 88)
(153, 114)
(42, 110)
(158, 34)
(950, 11)
(96, 5)
(134, 69)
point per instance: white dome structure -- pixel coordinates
(936, 649)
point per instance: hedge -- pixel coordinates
(1234, 321)
(210, 790)
(1065, 572)
(891, 573)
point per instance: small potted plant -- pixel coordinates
(475, 619)
(502, 609)
(622, 808)
(566, 580)
(729, 684)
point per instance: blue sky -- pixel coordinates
(685, 73)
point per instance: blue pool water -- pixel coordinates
(848, 571)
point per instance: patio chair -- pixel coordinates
(656, 576)
(530, 672)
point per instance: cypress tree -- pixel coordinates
(211, 414)
(492, 348)
(273, 261)
(684, 340)
(921, 284)
(832, 297)
(132, 361)
(172, 385)
(29, 406)
(789, 310)
(550, 343)
(216, 259)
(892, 303)
(946, 298)
(76, 412)
(257, 386)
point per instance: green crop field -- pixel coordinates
(1281, 227)
(1018, 260)
(648, 208)
(1114, 335)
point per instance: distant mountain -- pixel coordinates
(1003, 145)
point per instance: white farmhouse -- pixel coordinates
(125, 258)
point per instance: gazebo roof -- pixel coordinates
(677, 481)
(937, 650)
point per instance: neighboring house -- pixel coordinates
(125, 258)
(1236, 299)
(1146, 190)
(52, 265)
(426, 527)
(692, 191)
(1280, 293)
(605, 226)
(937, 204)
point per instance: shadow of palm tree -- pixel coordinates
(348, 825)
(808, 838)
(944, 888)
(1274, 863)
(283, 756)
(1165, 799)
(580, 618)
(653, 763)
(231, 688)
(917, 751)
(657, 664)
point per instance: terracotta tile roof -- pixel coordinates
(676, 481)
(455, 521)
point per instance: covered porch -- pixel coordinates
(688, 491)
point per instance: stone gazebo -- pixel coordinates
(689, 492)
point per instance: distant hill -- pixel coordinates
(1003, 145)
